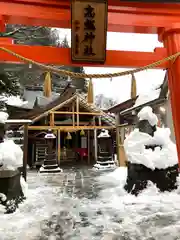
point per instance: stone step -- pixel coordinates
(109, 161)
(54, 170)
(50, 166)
(50, 162)
(49, 157)
(105, 158)
(104, 154)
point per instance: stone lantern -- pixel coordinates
(11, 193)
(50, 163)
(151, 155)
(105, 151)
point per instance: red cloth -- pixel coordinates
(82, 152)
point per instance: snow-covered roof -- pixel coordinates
(104, 134)
(145, 98)
(50, 136)
(13, 100)
(17, 121)
(83, 102)
(32, 96)
(3, 117)
(92, 108)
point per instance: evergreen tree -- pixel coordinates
(24, 74)
(32, 75)
(28, 35)
(64, 43)
(8, 85)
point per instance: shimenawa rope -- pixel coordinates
(83, 75)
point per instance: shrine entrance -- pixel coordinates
(89, 22)
(75, 124)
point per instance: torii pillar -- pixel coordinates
(171, 39)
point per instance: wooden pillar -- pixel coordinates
(171, 39)
(95, 145)
(51, 119)
(89, 150)
(117, 117)
(77, 111)
(25, 151)
(73, 115)
(59, 146)
(122, 154)
(99, 120)
(95, 141)
(33, 154)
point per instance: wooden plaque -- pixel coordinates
(89, 30)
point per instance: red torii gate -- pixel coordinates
(160, 18)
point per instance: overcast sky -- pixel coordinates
(119, 88)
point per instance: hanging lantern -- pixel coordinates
(69, 137)
(133, 87)
(82, 133)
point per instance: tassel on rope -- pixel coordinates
(133, 87)
(90, 95)
(47, 85)
(82, 133)
(69, 137)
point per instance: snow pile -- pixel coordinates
(118, 176)
(11, 155)
(50, 136)
(160, 158)
(110, 165)
(24, 186)
(135, 143)
(104, 134)
(3, 117)
(15, 101)
(147, 97)
(147, 114)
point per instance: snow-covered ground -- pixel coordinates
(78, 204)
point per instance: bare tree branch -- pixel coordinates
(10, 33)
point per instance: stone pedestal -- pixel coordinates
(139, 175)
(105, 161)
(10, 187)
(105, 152)
(50, 163)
